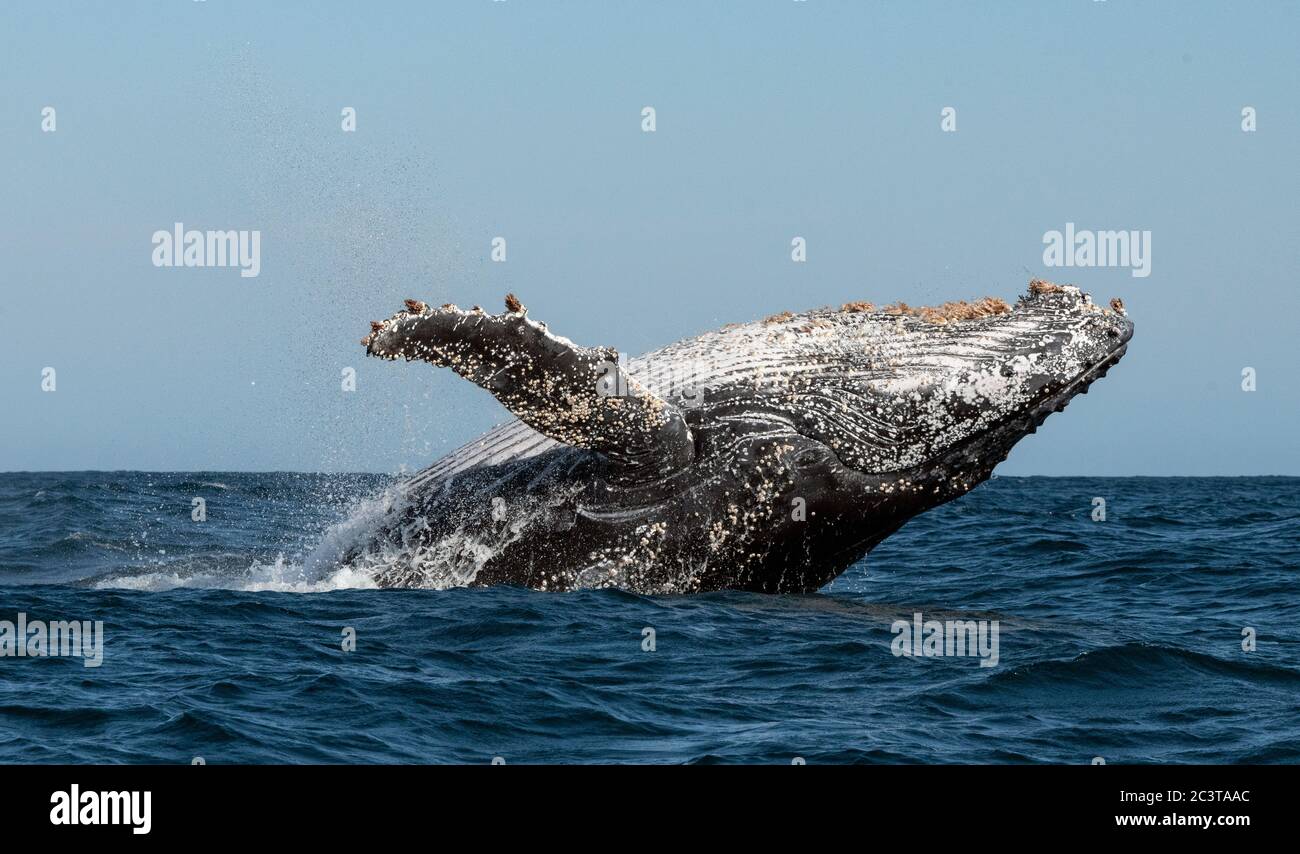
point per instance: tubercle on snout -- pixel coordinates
(1042, 289)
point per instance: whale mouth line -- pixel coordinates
(1030, 420)
(1079, 385)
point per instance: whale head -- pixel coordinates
(918, 406)
(892, 411)
(885, 413)
(964, 397)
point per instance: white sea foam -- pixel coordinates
(280, 576)
(318, 570)
(376, 540)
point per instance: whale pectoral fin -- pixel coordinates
(577, 395)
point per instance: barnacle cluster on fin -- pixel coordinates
(580, 396)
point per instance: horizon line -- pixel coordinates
(412, 472)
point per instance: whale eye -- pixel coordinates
(809, 457)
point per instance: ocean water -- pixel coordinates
(1120, 639)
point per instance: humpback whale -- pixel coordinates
(766, 456)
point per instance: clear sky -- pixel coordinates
(523, 119)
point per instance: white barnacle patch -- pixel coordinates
(1023, 364)
(988, 387)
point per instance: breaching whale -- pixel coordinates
(766, 456)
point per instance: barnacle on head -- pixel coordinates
(1042, 286)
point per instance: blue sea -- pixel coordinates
(1120, 639)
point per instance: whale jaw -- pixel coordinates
(1051, 348)
(995, 377)
(972, 461)
(1098, 339)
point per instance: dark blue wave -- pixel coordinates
(1120, 639)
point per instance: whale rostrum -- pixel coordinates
(764, 456)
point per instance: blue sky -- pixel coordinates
(523, 119)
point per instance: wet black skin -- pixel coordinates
(838, 527)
